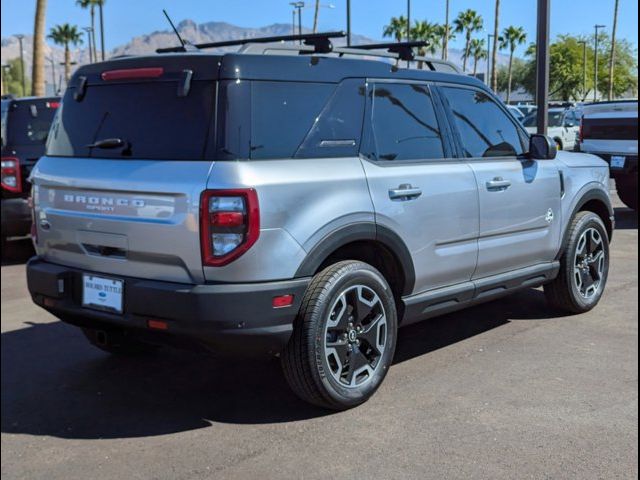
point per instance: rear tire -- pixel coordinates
(344, 337)
(584, 266)
(628, 192)
(117, 343)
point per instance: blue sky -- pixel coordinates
(127, 18)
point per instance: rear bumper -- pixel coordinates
(16, 217)
(228, 318)
(630, 165)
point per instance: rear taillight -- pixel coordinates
(580, 131)
(11, 179)
(229, 224)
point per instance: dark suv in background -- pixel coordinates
(25, 127)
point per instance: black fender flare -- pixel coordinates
(593, 194)
(361, 231)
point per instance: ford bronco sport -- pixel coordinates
(302, 205)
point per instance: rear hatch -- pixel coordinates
(610, 128)
(127, 159)
(25, 126)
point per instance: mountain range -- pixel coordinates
(189, 30)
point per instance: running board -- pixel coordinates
(448, 299)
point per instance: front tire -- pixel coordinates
(584, 266)
(344, 337)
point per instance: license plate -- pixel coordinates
(617, 161)
(102, 293)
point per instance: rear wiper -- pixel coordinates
(108, 143)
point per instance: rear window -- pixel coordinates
(27, 123)
(150, 119)
(610, 128)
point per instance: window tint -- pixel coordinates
(404, 124)
(336, 131)
(149, 117)
(281, 115)
(27, 123)
(485, 129)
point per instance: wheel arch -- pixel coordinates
(595, 201)
(368, 242)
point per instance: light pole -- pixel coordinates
(584, 68)
(595, 64)
(348, 23)
(408, 20)
(298, 6)
(489, 37)
(101, 31)
(24, 84)
(542, 65)
(89, 30)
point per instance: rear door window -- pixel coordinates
(404, 125)
(152, 121)
(485, 128)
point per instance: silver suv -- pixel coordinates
(304, 206)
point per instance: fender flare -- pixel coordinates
(362, 231)
(592, 194)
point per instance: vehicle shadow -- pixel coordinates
(54, 383)
(626, 219)
(16, 252)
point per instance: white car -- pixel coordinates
(564, 126)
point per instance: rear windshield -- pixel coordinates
(27, 122)
(149, 118)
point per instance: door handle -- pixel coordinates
(404, 192)
(498, 184)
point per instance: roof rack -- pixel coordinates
(404, 50)
(321, 42)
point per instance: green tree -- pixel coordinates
(566, 68)
(478, 52)
(12, 78)
(427, 32)
(397, 28)
(65, 35)
(511, 37)
(445, 39)
(468, 22)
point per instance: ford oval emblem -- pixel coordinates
(102, 294)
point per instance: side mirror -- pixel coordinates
(542, 147)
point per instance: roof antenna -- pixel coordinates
(185, 45)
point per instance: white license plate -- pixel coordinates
(102, 293)
(617, 161)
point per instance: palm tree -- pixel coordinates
(511, 37)
(494, 53)
(444, 38)
(426, 32)
(478, 52)
(91, 5)
(37, 73)
(612, 58)
(468, 22)
(397, 28)
(64, 35)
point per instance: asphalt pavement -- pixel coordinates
(508, 389)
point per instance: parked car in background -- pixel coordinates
(526, 109)
(25, 126)
(610, 130)
(563, 127)
(515, 111)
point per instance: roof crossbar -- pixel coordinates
(321, 42)
(403, 49)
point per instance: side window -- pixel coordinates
(403, 123)
(336, 131)
(281, 115)
(485, 129)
